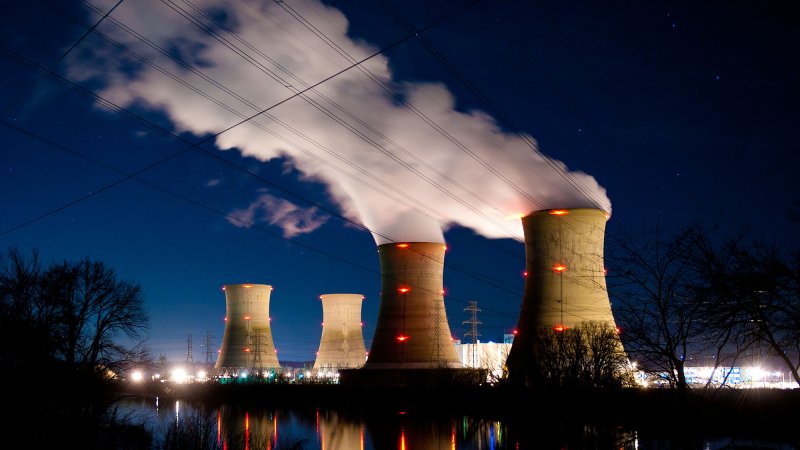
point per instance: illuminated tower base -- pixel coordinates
(412, 330)
(247, 345)
(565, 279)
(342, 342)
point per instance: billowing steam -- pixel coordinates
(292, 219)
(398, 157)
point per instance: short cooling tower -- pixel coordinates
(342, 343)
(247, 343)
(412, 330)
(565, 276)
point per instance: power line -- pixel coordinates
(63, 55)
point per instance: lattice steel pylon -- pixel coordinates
(189, 358)
(473, 322)
(209, 353)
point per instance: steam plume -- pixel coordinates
(398, 175)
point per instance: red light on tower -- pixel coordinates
(605, 271)
(246, 317)
(560, 268)
(559, 328)
(247, 350)
(525, 274)
(514, 332)
(559, 212)
(402, 338)
(247, 286)
(618, 330)
(403, 290)
(404, 245)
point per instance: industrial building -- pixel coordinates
(247, 346)
(490, 356)
(342, 342)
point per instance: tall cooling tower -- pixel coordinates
(247, 342)
(565, 276)
(342, 343)
(412, 330)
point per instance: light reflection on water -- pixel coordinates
(234, 427)
(273, 428)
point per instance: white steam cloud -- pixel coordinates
(292, 219)
(407, 169)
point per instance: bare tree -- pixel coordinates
(80, 312)
(753, 290)
(588, 355)
(660, 322)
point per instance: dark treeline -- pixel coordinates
(693, 298)
(61, 327)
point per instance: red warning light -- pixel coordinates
(247, 350)
(442, 291)
(225, 319)
(247, 286)
(403, 290)
(559, 267)
(402, 245)
(559, 328)
(559, 212)
(515, 332)
(618, 330)
(525, 274)
(246, 317)
(605, 271)
(402, 338)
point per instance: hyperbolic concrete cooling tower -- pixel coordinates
(412, 330)
(565, 276)
(247, 342)
(342, 343)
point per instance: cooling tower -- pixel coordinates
(412, 330)
(247, 342)
(565, 276)
(342, 343)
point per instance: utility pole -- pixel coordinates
(473, 322)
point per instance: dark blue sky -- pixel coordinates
(682, 112)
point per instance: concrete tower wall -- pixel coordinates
(342, 342)
(565, 282)
(247, 342)
(412, 330)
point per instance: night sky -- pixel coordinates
(678, 112)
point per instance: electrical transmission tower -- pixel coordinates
(207, 345)
(257, 349)
(473, 322)
(189, 350)
(437, 349)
